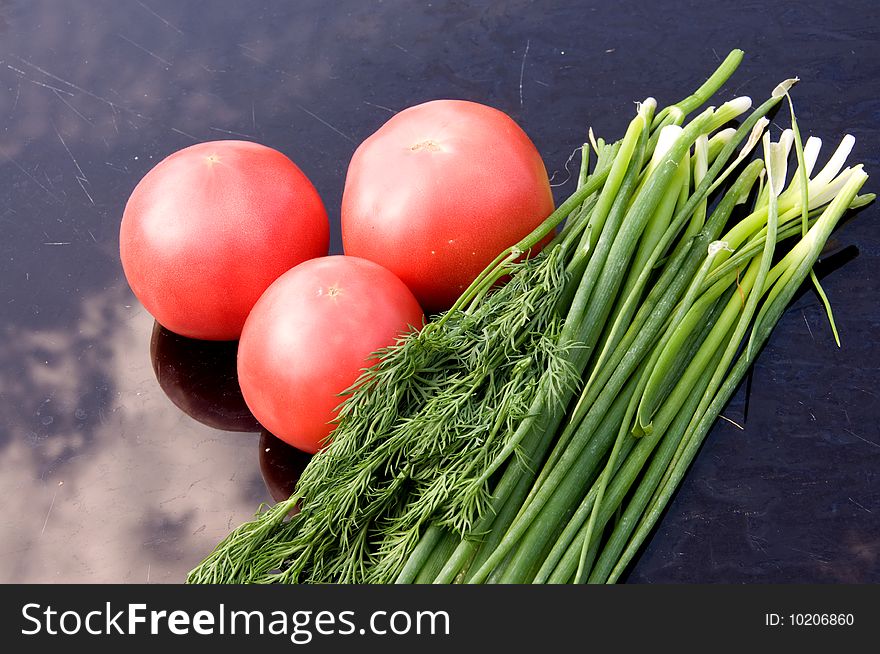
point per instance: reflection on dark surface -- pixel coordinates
(200, 378)
(281, 465)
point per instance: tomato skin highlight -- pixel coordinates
(438, 191)
(208, 229)
(310, 336)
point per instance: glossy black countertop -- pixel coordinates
(106, 479)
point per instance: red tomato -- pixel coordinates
(210, 227)
(438, 191)
(309, 337)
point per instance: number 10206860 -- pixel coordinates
(809, 620)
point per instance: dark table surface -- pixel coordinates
(105, 479)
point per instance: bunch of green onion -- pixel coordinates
(535, 432)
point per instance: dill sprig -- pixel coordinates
(413, 435)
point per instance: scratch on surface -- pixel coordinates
(17, 94)
(168, 24)
(814, 556)
(380, 106)
(171, 499)
(49, 86)
(51, 505)
(870, 442)
(36, 181)
(324, 122)
(17, 70)
(72, 108)
(179, 131)
(148, 565)
(57, 243)
(227, 131)
(744, 84)
(400, 47)
(197, 481)
(63, 81)
(145, 50)
(81, 179)
(249, 53)
(859, 505)
(124, 169)
(113, 116)
(522, 70)
(758, 543)
(807, 322)
(253, 115)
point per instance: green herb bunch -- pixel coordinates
(535, 432)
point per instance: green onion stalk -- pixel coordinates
(573, 564)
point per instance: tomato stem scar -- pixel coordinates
(429, 145)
